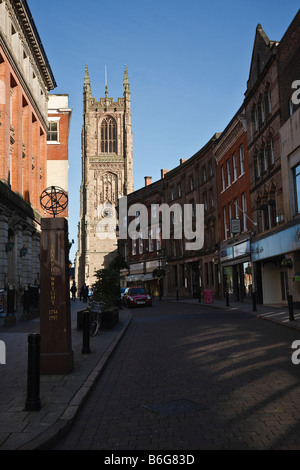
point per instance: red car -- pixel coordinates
(136, 297)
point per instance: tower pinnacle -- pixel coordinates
(126, 81)
(87, 84)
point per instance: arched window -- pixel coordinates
(108, 135)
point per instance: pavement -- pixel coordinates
(63, 395)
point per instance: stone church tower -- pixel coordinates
(107, 174)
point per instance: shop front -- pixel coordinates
(276, 261)
(236, 268)
(141, 274)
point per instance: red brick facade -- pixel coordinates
(25, 80)
(255, 182)
(59, 116)
(23, 163)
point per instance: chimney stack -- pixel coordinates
(148, 180)
(163, 172)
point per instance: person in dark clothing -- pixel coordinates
(85, 292)
(73, 290)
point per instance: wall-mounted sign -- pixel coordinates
(235, 226)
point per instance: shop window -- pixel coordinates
(296, 179)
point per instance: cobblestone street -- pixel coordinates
(188, 377)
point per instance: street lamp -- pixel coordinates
(118, 267)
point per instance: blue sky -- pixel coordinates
(188, 64)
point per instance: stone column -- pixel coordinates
(35, 265)
(55, 323)
(18, 264)
(27, 258)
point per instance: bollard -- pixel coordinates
(254, 301)
(199, 299)
(33, 402)
(177, 295)
(291, 310)
(86, 332)
(227, 298)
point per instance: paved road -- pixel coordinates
(188, 377)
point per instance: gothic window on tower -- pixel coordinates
(108, 135)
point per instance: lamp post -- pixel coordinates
(118, 268)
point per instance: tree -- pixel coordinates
(107, 287)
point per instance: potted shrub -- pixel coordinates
(107, 291)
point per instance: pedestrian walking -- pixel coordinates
(85, 292)
(73, 290)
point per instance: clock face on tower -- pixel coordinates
(106, 227)
(108, 212)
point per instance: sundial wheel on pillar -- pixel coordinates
(54, 200)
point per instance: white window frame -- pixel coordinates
(228, 171)
(51, 120)
(223, 177)
(242, 159)
(234, 163)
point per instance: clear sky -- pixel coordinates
(188, 64)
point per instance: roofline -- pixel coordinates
(50, 80)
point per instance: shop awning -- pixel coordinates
(134, 277)
(148, 277)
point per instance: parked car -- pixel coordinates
(136, 297)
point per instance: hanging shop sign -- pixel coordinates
(241, 249)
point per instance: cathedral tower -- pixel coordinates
(107, 174)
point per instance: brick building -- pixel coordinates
(145, 253)
(267, 104)
(263, 124)
(231, 152)
(59, 118)
(187, 271)
(25, 80)
(288, 74)
(194, 182)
